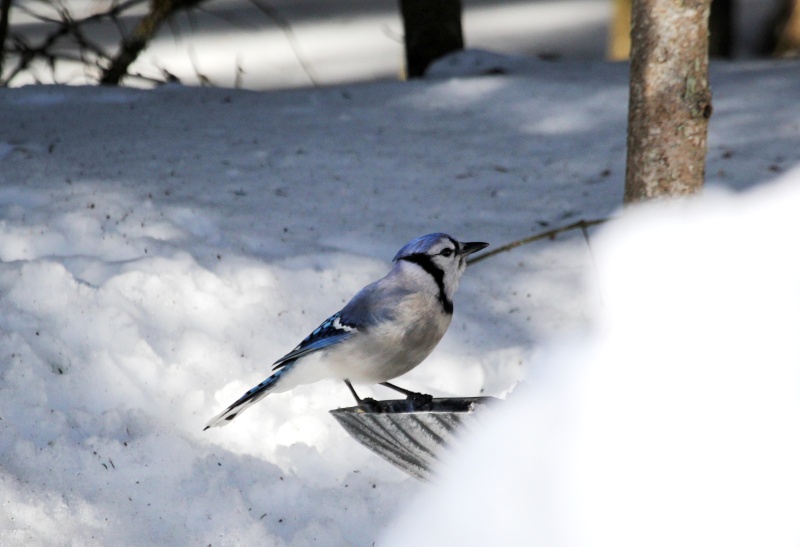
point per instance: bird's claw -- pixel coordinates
(370, 405)
(419, 402)
(422, 398)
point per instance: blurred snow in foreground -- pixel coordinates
(676, 423)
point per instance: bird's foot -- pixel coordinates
(419, 402)
(370, 405)
(421, 398)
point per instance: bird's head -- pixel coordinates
(442, 257)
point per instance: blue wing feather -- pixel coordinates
(367, 308)
(332, 331)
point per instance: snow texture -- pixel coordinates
(160, 249)
(676, 422)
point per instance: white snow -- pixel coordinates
(159, 249)
(676, 422)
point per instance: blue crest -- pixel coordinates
(420, 245)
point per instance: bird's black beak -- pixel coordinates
(471, 247)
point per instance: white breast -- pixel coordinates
(392, 348)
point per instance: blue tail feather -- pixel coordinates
(245, 401)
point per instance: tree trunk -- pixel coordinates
(432, 29)
(720, 29)
(670, 99)
(5, 14)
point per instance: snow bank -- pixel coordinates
(676, 423)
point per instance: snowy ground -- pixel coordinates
(159, 249)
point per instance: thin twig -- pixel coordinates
(550, 234)
(113, 68)
(65, 27)
(202, 78)
(27, 54)
(288, 32)
(231, 20)
(237, 82)
(585, 232)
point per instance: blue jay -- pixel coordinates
(387, 328)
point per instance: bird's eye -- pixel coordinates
(446, 252)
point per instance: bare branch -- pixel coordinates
(583, 225)
(64, 27)
(146, 28)
(202, 78)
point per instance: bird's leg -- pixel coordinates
(369, 401)
(413, 395)
(353, 391)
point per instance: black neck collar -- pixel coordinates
(437, 274)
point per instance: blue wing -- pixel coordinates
(370, 306)
(332, 331)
